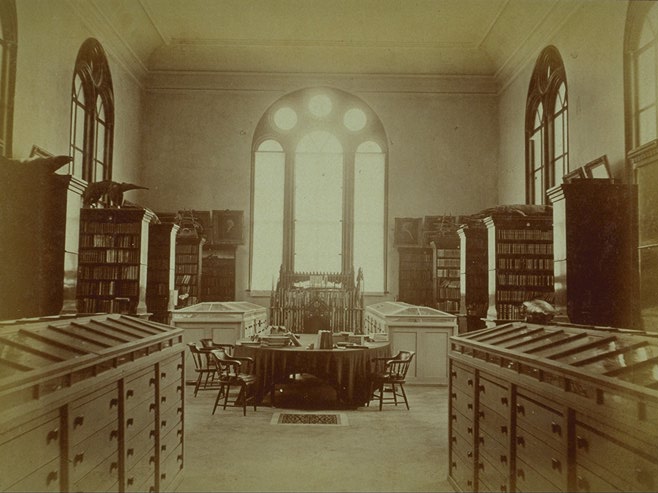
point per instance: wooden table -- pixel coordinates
(346, 369)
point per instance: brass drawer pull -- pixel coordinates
(78, 421)
(78, 458)
(581, 442)
(52, 476)
(556, 464)
(52, 435)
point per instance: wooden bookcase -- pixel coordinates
(594, 240)
(112, 263)
(415, 275)
(446, 255)
(218, 280)
(473, 273)
(520, 259)
(188, 269)
(160, 298)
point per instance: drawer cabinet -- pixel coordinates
(582, 419)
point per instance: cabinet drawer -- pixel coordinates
(170, 418)
(45, 478)
(587, 480)
(491, 475)
(103, 477)
(170, 467)
(494, 424)
(462, 378)
(88, 454)
(528, 479)
(494, 396)
(141, 475)
(171, 439)
(496, 453)
(138, 418)
(171, 395)
(462, 472)
(90, 413)
(638, 472)
(462, 447)
(538, 454)
(38, 439)
(463, 425)
(137, 447)
(139, 387)
(547, 421)
(171, 370)
(462, 402)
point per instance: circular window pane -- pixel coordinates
(354, 119)
(320, 105)
(285, 118)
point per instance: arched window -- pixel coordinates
(547, 136)
(641, 66)
(8, 41)
(319, 189)
(92, 114)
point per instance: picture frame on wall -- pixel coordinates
(598, 168)
(407, 231)
(576, 174)
(227, 227)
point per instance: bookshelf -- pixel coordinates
(415, 275)
(594, 240)
(188, 269)
(473, 273)
(160, 295)
(112, 262)
(218, 280)
(520, 263)
(445, 271)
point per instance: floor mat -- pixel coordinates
(309, 419)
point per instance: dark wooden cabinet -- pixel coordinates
(473, 271)
(553, 408)
(446, 273)
(594, 242)
(520, 258)
(218, 279)
(415, 276)
(188, 269)
(112, 263)
(161, 271)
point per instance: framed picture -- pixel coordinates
(599, 168)
(407, 231)
(227, 227)
(576, 174)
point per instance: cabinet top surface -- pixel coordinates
(210, 308)
(400, 309)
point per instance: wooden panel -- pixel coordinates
(432, 356)
(88, 414)
(45, 478)
(96, 448)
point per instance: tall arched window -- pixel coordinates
(641, 46)
(8, 39)
(92, 114)
(319, 189)
(547, 142)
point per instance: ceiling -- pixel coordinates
(446, 37)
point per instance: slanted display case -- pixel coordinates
(414, 328)
(553, 407)
(91, 404)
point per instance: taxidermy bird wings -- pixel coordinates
(114, 191)
(40, 166)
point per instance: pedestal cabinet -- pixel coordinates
(553, 408)
(91, 404)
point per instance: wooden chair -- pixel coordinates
(201, 367)
(234, 371)
(390, 378)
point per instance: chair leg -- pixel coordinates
(395, 394)
(228, 389)
(381, 396)
(198, 383)
(219, 394)
(404, 394)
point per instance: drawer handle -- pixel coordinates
(78, 421)
(454, 417)
(52, 476)
(581, 442)
(520, 409)
(164, 423)
(520, 441)
(503, 459)
(163, 448)
(151, 489)
(130, 452)
(520, 473)
(503, 401)
(481, 413)
(113, 466)
(179, 458)
(469, 406)
(163, 374)
(454, 396)
(152, 434)
(180, 432)
(503, 430)
(481, 466)
(453, 373)
(152, 459)
(481, 388)
(469, 430)
(454, 439)
(469, 382)
(454, 465)
(152, 407)
(163, 475)
(469, 482)
(151, 381)
(129, 422)
(114, 402)
(469, 454)
(52, 435)
(556, 464)
(114, 434)
(179, 388)
(481, 440)
(556, 428)
(583, 484)
(163, 399)
(78, 458)
(130, 480)
(179, 410)
(129, 394)
(179, 366)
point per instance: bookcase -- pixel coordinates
(188, 269)
(445, 272)
(415, 275)
(218, 280)
(112, 262)
(160, 294)
(473, 273)
(520, 263)
(594, 243)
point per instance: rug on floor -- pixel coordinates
(309, 419)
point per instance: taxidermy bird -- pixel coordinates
(114, 190)
(36, 167)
